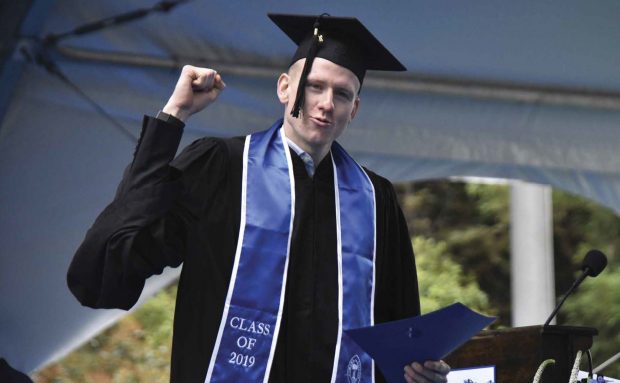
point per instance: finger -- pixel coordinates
(409, 372)
(428, 375)
(439, 366)
(413, 374)
(204, 80)
(200, 78)
(191, 73)
(218, 83)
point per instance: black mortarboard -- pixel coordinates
(341, 40)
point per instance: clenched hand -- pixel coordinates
(195, 90)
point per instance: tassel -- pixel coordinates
(301, 87)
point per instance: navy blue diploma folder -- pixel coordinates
(427, 337)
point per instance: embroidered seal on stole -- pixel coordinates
(354, 370)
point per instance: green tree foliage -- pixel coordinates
(472, 221)
(134, 350)
(583, 225)
(597, 304)
(442, 281)
(580, 225)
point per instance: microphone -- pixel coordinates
(592, 265)
(594, 262)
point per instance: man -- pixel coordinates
(286, 241)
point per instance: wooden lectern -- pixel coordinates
(516, 353)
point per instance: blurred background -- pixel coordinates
(501, 138)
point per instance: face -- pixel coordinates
(330, 104)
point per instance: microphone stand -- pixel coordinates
(577, 282)
(607, 363)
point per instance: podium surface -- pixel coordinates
(517, 352)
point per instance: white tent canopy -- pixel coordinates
(525, 90)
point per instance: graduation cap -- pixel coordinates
(342, 40)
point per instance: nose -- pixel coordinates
(327, 100)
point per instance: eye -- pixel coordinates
(313, 85)
(344, 94)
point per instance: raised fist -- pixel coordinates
(194, 91)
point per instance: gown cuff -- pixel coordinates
(158, 143)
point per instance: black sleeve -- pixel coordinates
(397, 283)
(397, 294)
(145, 228)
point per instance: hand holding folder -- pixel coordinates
(432, 337)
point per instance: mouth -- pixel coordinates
(322, 122)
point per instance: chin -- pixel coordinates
(319, 139)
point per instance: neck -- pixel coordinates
(317, 156)
(316, 152)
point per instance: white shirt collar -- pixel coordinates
(305, 157)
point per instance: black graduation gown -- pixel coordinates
(187, 210)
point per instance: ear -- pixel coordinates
(283, 87)
(356, 105)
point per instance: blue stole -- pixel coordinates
(248, 332)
